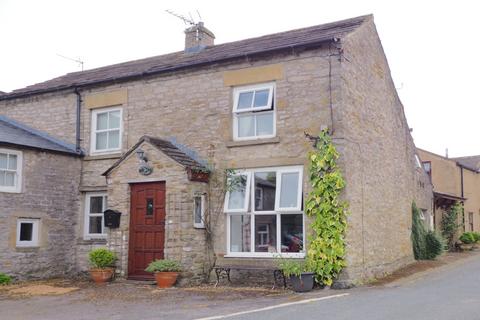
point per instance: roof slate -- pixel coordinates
(180, 60)
(13, 133)
(471, 162)
(168, 148)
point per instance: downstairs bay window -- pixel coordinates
(264, 213)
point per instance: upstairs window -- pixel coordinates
(106, 130)
(254, 112)
(10, 170)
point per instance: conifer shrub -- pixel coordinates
(427, 245)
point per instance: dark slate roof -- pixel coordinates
(13, 133)
(168, 148)
(471, 162)
(305, 37)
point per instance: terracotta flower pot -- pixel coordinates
(101, 276)
(165, 279)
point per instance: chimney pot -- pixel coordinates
(197, 38)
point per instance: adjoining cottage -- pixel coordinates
(158, 133)
(454, 180)
(39, 179)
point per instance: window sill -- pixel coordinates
(32, 248)
(115, 155)
(243, 143)
(270, 256)
(92, 241)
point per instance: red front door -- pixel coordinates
(147, 227)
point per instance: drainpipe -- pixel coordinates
(461, 191)
(461, 181)
(77, 121)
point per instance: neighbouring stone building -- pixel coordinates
(39, 202)
(454, 180)
(157, 135)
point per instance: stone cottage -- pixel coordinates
(454, 180)
(156, 134)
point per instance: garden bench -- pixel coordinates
(277, 273)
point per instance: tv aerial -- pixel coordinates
(80, 62)
(187, 20)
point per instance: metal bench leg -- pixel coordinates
(217, 273)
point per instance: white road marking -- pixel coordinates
(274, 307)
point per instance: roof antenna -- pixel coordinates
(80, 62)
(183, 18)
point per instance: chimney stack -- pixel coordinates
(197, 38)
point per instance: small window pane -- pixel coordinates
(149, 207)
(95, 225)
(102, 121)
(264, 124)
(289, 190)
(3, 161)
(114, 139)
(198, 209)
(114, 120)
(245, 100)
(9, 179)
(261, 98)
(26, 231)
(292, 232)
(12, 162)
(265, 233)
(240, 233)
(2, 178)
(236, 199)
(265, 185)
(96, 204)
(246, 126)
(101, 141)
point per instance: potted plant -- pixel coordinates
(102, 265)
(301, 279)
(467, 241)
(165, 271)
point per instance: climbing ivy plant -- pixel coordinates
(326, 252)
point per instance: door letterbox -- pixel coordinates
(112, 218)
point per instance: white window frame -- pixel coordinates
(35, 232)
(93, 129)
(247, 193)
(253, 111)
(86, 224)
(278, 212)
(201, 224)
(17, 188)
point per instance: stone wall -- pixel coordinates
(378, 156)
(49, 193)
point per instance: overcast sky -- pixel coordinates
(433, 47)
